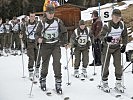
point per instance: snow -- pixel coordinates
(86, 14)
(14, 87)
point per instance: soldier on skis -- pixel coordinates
(15, 35)
(32, 50)
(50, 32)
(80, 40)
(2, 31)
(7, 37)
(114, 33)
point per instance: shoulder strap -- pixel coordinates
(122, 27)
(29, 33)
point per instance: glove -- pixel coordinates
(123, 48)
(93, 45)
(108, 38)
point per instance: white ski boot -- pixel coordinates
(84, 72)
(118, 86)
(37, 72)
(5, 53)
(76, 73)
(105, 86)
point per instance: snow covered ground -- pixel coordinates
(14, 87)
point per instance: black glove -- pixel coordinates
(108, 38)
(93, 45)
(123, 48)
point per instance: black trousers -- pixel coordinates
(96, 49)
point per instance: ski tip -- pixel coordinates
(82, 79)
(131, 97)
(117, 96)
(66, 98)
(49, 93)
(23, 76)
(91, 79)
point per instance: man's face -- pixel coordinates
(116, 19)
(15, 21)
(82, 26)
(50, 16)
(0, 21)
(32, 17)
(93, 16)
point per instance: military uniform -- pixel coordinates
(117, 31)
(32, 49)
(15, 36)
(2, 31)
(80, 40)
(7, 35)
(111, 36)
(52, 32)
(51, 44)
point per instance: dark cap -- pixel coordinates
(81, 22)
(95, 13)
(116, 12)
(50, 8)
(14, 18)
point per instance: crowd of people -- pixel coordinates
(42, 39)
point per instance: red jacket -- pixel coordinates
(96, 27)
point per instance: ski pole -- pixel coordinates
(35, 66)
(122, 70)
(22, 56)
(99, 6)
(113, 4)
(68, 81)
(67, 62)
(132, 67)
(72, 55)
(104, 63)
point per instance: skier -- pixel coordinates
(111, 36)
(2, 31)
(50, 32)
(32, 50)
(96, 31)
(15, 35)
(80, 40)
(7, 37)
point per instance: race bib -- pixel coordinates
(82, 40)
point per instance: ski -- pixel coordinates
(47, 91)
(123, 94)
(116, 94)
(110, 92)
(83, 78)
(62, 95)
